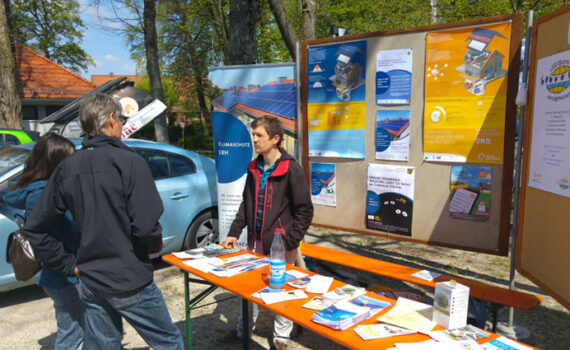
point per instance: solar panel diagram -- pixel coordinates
(348, 72)
(482, 66)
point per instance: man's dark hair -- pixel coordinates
(272, 125)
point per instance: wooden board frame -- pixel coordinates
(498, 241)
(544, 223)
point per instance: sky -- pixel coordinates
(108, 50)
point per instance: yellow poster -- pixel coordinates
(466, 93)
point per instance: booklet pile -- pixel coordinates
(343, 314)
(229, 266)
(209, 251)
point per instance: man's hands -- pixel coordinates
(230, 242)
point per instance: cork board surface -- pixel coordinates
(544, 220)
(431, 221)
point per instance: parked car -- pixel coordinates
(186, 182)
(13, 137)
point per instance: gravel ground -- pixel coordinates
(27, 320)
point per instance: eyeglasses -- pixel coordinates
(122, 118)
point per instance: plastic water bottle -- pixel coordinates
(277, 261)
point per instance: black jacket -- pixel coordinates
(287, 204)
(111, 193)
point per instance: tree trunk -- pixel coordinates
(10, 105)
(152, 67)
(309, 19)
(287, 31)
(218, 13)
(244, 16)
(204, 111)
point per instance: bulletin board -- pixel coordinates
(544, 223)
(431, 222)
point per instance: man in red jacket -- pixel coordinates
(276, 195)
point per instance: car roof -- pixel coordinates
(135, 143)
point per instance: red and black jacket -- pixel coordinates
(287, 204)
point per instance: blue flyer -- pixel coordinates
(394, 77)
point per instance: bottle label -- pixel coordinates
(277, 272)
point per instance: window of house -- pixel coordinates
(30, 112)
(52, 109)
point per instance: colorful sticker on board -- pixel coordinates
(466, 94)
(549, 168)
(336, 100)
(390, 198)
(394, 77)
(470, 197)
(393, 134)
(323, 184)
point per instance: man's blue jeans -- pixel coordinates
(69, 314)
(145, 310)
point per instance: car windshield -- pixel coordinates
(11, 158)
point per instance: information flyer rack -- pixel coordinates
(414, 104)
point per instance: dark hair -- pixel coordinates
(272, 125)
(49, 150)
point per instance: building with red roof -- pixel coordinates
(45, 86)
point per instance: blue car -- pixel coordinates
(186, 182)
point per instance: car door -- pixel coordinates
(176, 179)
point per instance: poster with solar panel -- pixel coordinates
(323, 184)
(465, 103)
(336, 76)
(245, 94)
(390, 198)
(393, 134)
(550, 153)
(394, 77)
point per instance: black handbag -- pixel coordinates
(20, 254)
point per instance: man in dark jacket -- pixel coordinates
(276, 195)
(111, 194)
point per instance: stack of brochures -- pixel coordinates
(237, 264)
(209, 251)
(341, 315)
(375, 305)
(229, 266)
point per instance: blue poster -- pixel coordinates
(247, 93)
(323, 184)
(233, 151)
(394, 77)
(336, 110)
(393, 134)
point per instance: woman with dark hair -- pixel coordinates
(49, 150)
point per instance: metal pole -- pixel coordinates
(299, 151)
(518, 162)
